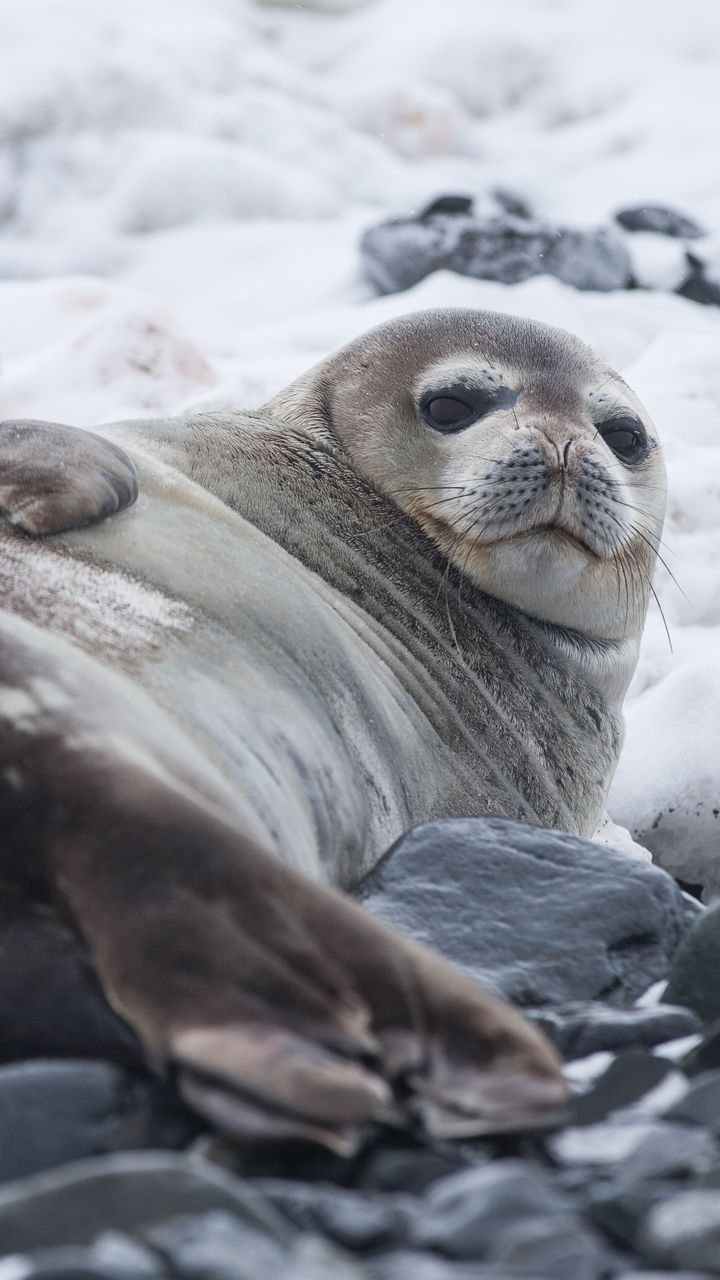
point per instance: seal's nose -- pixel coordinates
(568, 454)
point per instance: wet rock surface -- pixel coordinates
(628, 1188)
(545, 918)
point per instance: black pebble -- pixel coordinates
(659, 218)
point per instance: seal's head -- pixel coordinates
(527, 460)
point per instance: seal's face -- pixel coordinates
(527, 461)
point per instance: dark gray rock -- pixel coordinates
(556, 1250)
(357, 1220)
(113, 1256)
(669, 1151)
(698, 286)
(393, 1165)
(75, 1203)
(52, 1112)
(579, 1030)
(447, 204)
(694, 974)
(544, 917)
(684, 1231)
(401, 251)
(406, 1265)
(631, 1077)
(465, 1216)
(659, 218)
(619, 1211)
(705, 1056)
(701, 1103)
(220, 1246)
(663, 1275)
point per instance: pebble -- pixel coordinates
(579, 1030)
(629, 1079)
(701, 1103)
(464, 1215)
(684, 1231)
(659, 218)
(53, 1112)
(693, 976)
(125, 1192)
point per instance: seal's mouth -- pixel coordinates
(556, 531)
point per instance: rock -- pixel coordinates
(659, 218)
(670, 1151)
(619, 1210)
(406, 1265)
(392, 1164)
(630, 1078)
(663, 1275)
(599, 1145)
(684, 1231)
(697, 285)
(701, 1103)
(401, 251)
(546, 918)
(357, 1220)
(73, 1204)
(113, 1256)
(447, 204)
(465, 1215)
(693, 977)
(52, 1112)
(704, 1056)
(558, 1251)
(219, 1245)
(579, 1030)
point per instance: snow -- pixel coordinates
(183, 185)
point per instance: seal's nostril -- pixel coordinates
(566, 452)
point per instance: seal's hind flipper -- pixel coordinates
(54, 478)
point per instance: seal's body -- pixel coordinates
(285, 647)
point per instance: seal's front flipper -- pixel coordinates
(54, 478)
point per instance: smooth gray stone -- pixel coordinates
(670, 1150)
(705, 1056)
(220, 1246)
(701, 1103)
(75, 1203)
(401, 251)
(694, 975)
(659, 218)
(113, 1256)
(358, 1220)
(663, 1275)
(543, 917)
(684, 1231)
(556, 1250)
(54, 1112)
(627, 1080)
(464, 1215)
(698, 286)
(579, 1030)
(406, 1265)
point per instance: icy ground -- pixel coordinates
(182, 188)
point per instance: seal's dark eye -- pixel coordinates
(447, 412)
(627, 438)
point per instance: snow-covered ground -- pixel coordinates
(182, 188)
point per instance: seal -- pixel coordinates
(411, 586)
